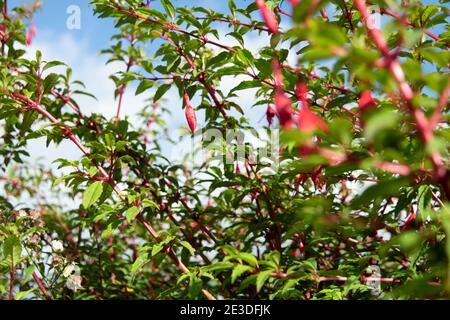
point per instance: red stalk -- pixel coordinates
(41, 286)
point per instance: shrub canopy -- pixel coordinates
(356, 209)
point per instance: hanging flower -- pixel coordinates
(308, 121)
(190, 113)
(366, 101)
(31, 34)
(270, 114)
(284, 108)
(268, 16)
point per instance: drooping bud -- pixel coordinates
(268, 16)
(301, 246)
(282, 102)
(301, 91)
(270, 114)
(190, 113)
(278, 76)
(366, 102)
(308, 121)
(31, 34)
(238, 170)
(284, 108)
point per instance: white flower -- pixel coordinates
(69, 269)
(57, 246)
(74, 283)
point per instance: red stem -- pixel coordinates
(41, 286)
(423, 125)
(122, 89)
(172, 27)
(409, 23)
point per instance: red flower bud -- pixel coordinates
(284, 108)
(270, 114)
(301, 246)
(366, 101)
(308, 121)
(190, 113)
(268, 16)
(301, 90)
(238, 170)
(277, 73)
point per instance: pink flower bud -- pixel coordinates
(366, 102)
(31, 34)
(190, 113)
(268, 16)
(284, 108)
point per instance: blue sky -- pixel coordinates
(53, 17)
(79, 49)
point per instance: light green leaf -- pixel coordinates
(21, 295)
(92, 194)
(188, 246)
(131, 213)
(239, 270)
(261, 279)
(138, 264)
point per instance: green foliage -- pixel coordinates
(367, 188)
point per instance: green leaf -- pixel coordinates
(248, 84)
(52, 64)
(50, 82)
(12, 248)
(168, 6)
(131, 213)
(143, 86)
(157, 248)
(138, 264)
(425, 195)
(22, 294)
(161, 91)
(261, 279)
(188, 246)
(249, 258)
(92, 194)
(195, 286)
(382, 120)
(239, 270)
(382, 189)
